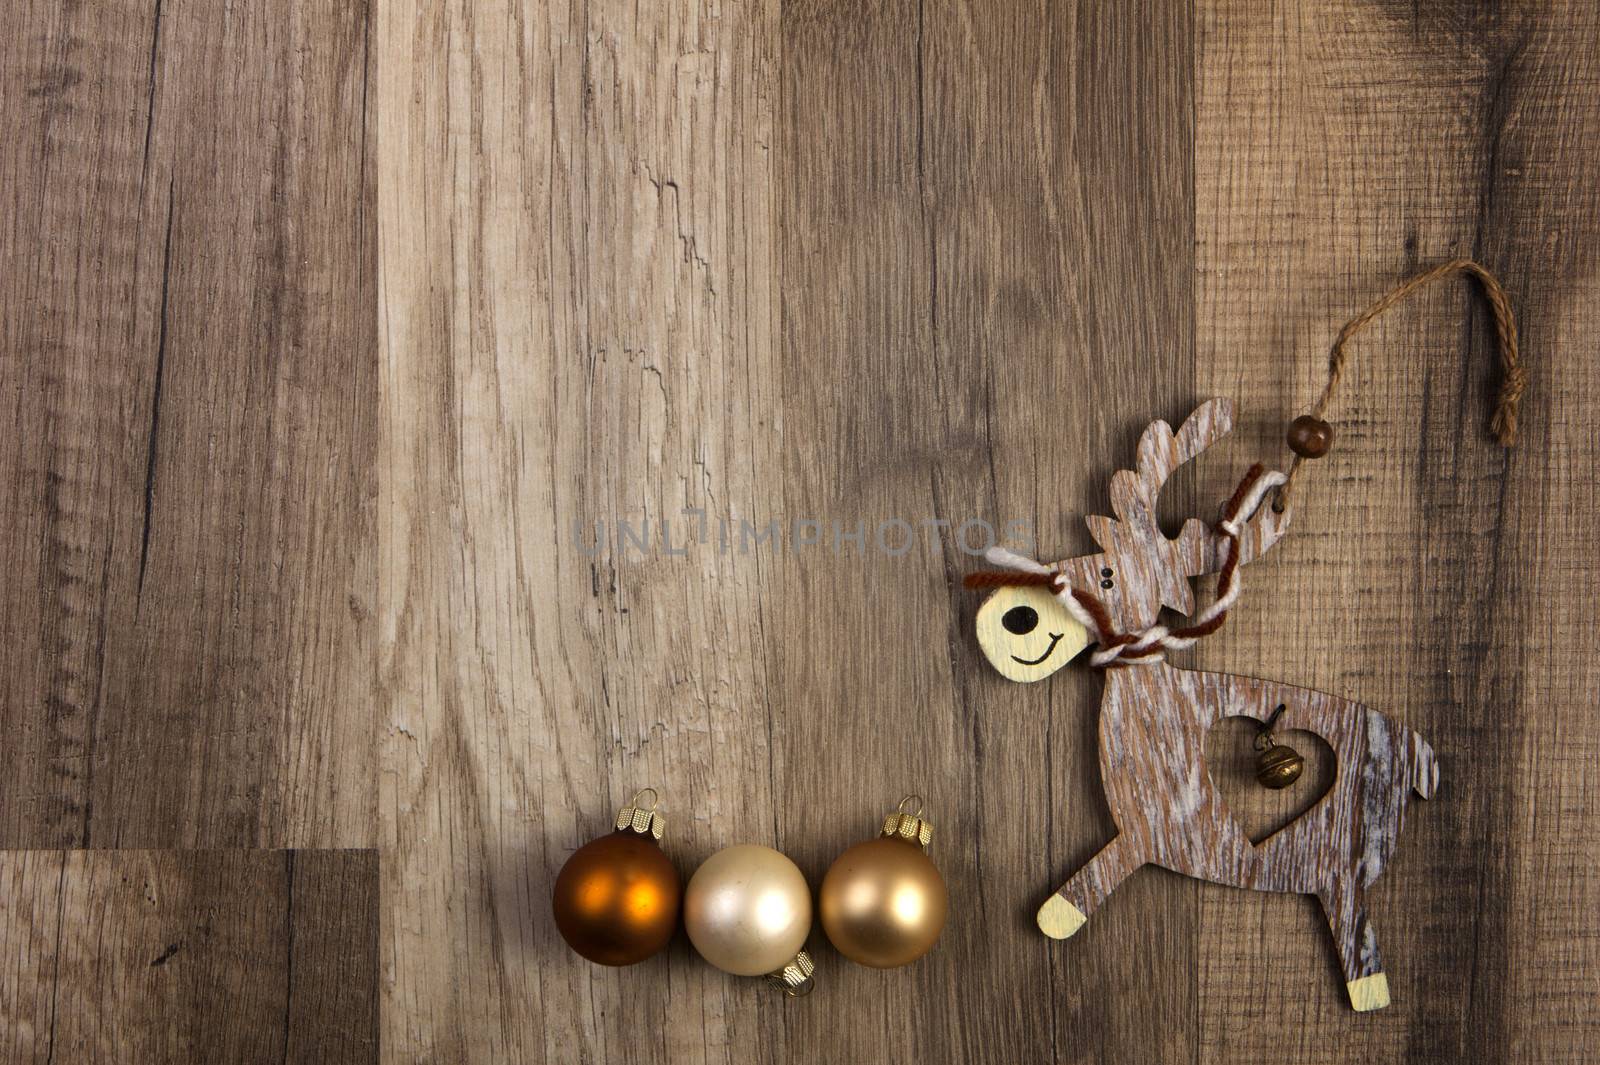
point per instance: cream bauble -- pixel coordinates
(747, 910)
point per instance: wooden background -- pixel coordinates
(326, 324)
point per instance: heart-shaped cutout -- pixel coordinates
(1231, 760)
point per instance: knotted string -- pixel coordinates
(1151, 644)
(1513, 380)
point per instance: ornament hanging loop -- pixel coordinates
(795, 979)
(1310, 436)
(909, 824)
(1277, 766)
(1264, 737)
(637, 817)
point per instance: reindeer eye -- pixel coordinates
(1106, 572)
(1020, 620)
(1108, 583)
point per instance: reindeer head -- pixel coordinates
(1025, 630)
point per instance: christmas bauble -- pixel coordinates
(616, 899)
(747, 910)
(883, 902)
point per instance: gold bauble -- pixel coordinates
(883, 903)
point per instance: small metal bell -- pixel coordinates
(1276, 766)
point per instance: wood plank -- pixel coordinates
(1342, 147)
(189, 371)
(181, 956)
(482, 527)
(986, 263)
(798, 262)
(580, 320)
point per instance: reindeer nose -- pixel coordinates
(1020, 620)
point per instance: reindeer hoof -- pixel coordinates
(1367, 993)
(1059, 918)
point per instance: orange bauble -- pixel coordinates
(617, 898)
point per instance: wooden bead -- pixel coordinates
(1309, 437)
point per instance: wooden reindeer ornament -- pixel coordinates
(1154, 717)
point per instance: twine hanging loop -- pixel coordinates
(1513, 378)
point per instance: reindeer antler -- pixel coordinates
(1161, 451)
(1133, 499)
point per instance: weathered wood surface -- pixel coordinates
(579, 308)
(958, 185)
(184, 956)
(787, 261)
(188, 365)
(1430, 572)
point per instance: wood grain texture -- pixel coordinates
(580, 278)
(284, 570)
(1341, 147)
(183, 956)
(579, 310)
(958, 184)
(188, 365)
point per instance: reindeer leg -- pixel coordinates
(1345, 905)
(1065, 911)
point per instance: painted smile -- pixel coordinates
(1055, 638)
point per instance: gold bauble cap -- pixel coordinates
(907, 822)
(640, 818)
